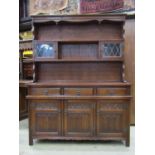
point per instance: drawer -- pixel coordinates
(113, 91)
(44, 91)
(78, 91)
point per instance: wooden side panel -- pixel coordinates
(106, 71)
(130, 61)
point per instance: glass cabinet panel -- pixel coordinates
(112, 49)
(44, 49)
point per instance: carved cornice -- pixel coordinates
(79, 18)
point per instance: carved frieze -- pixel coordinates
(113, 106)
(79, 106)
(47, 106)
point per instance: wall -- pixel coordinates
(72, 7)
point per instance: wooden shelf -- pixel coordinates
(24, 83)
(78, 60)
(26, 40)
(78, 84)
(77, 97)
(27, 60)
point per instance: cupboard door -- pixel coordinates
(78, 118)
(46, 118)
(112, 118)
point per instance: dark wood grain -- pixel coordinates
(79, 32)
(129, 57)
(81, 93)
(23, 103)
(79, 71)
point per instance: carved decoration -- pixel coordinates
(123, 73)
(113, 106)
(34, 73)
(46, 106)
(79, 106)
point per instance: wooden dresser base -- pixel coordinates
(79, 90)
(78, 116)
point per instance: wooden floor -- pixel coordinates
(72, 147)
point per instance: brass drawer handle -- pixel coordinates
(78, 91)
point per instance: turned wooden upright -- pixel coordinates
(79, 90)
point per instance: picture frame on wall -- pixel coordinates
(46, 6)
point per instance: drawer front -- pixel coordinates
(113, 91)
(44, 91)
(78, 91)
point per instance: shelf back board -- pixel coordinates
(82, 32)
(98, 71)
